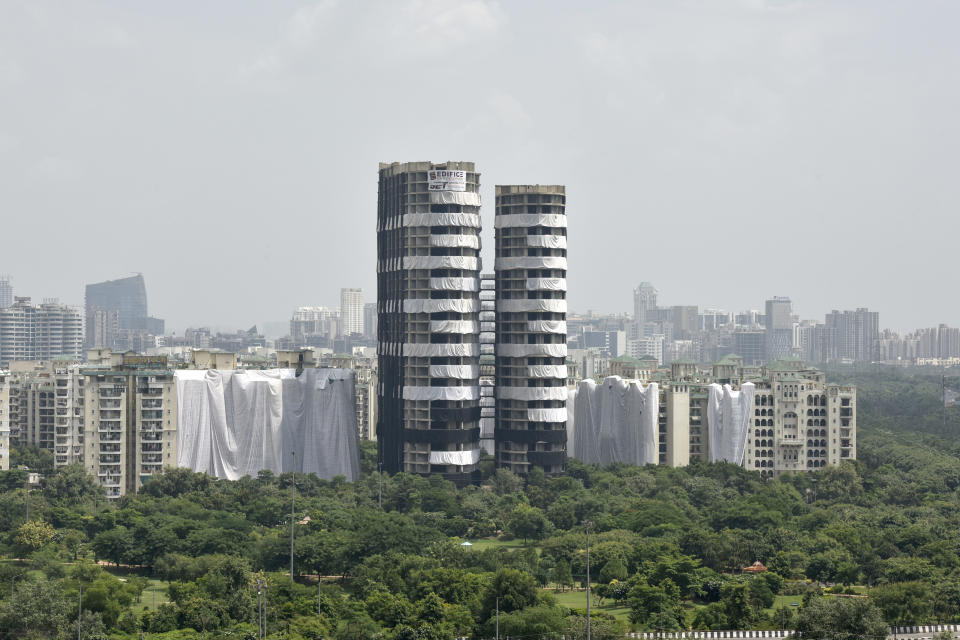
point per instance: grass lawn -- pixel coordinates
(157, 589)
(578, 600)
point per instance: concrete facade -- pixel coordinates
(531, 328)
(428, 273)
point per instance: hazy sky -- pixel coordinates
(725, 151)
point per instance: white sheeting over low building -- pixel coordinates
(728, 419)
(614, 421)
(237, 423)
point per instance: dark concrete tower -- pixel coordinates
(531, 327)
(428, 305)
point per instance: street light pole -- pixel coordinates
(293, 489)
(588, 524)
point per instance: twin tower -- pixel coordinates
(430, 320)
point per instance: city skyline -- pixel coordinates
(827, 139)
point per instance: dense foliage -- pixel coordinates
(867, 544)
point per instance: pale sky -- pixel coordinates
(727, 151)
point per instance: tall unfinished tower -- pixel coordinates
(428, 304)
(531, 327)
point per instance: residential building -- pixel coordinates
(531, 328)
(851, 336)
(370, 320)
(644, 301)
(39, 332)
(351, 311)
(4, 420)
(779, 329)
(428, 269)
(6, 292)
(488, 366)
(130, 422)
(783, 417)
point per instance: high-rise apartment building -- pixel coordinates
(531, 328)
(4, 421)
(370, 320)
(351, 311)
(428, 269)
(779, 329)
(488, 363)
(39, 332)
(850, 335)
(644, 301)
(6, 292)
(130, 422)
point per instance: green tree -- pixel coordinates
(903, 603)
(841, 619)
(35, 609)
(514, 589)
(528, 522)
(34, 535)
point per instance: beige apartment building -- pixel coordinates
(795, 420)
(130, 430)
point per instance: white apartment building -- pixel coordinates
(4, 420)
(39, 332)
(351, 311)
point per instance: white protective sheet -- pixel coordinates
(449, 240)
(532, 393)
(441, 262)
(525, 350)
(530, 220)
(530, 262)
(424, 305)
(471, 456)
(454, 326)
(455, 284)
(467, 198)
(547, 326)
(549, 415)
(523, 304)
(546, 284)
(426, 350)
(547, 242)
(237, 423)
(614, 421)
(728, 420)
(441, 220)
(547, 371)
(441, 393)
(457, 371)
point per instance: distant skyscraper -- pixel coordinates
(779, 325)
(644, 301)
(531, 328)
(370, 320)
(121, 304)
(39, 332)
(351, 311)
(6, 292)
(428, 268)
(851, 335)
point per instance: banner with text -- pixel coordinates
(446, 180)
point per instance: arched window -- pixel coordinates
(756, 443)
